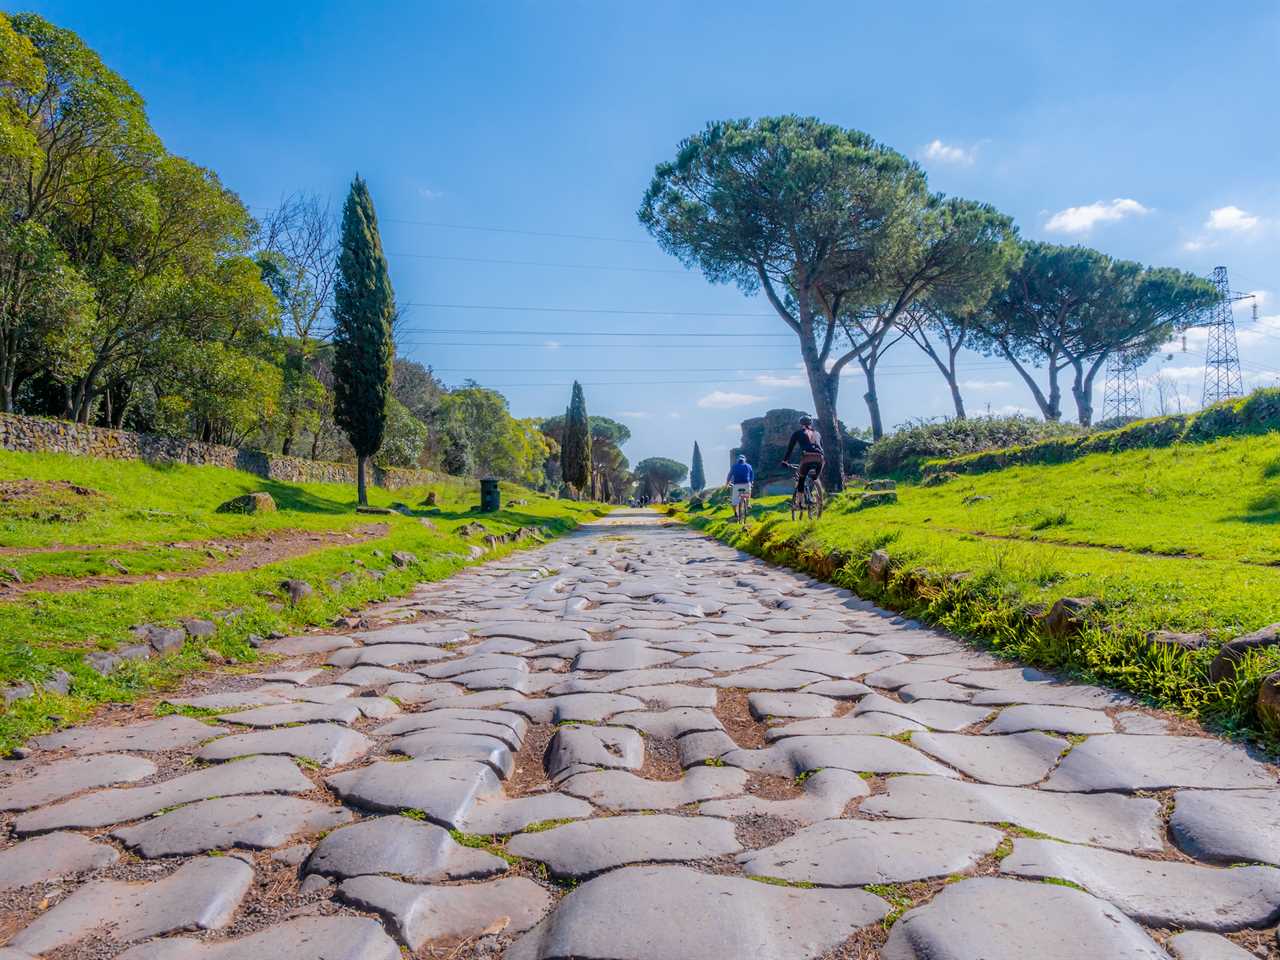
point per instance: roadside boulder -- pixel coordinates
(403, 558)
(1269, 703)
(162, 639)
(1224, 664)
(199, 628)
(100, 661)
(1178, 642)
(877, 498)
(881, 485)
(1068, 616)
(878, 567)
(260, 502)
(297, 590)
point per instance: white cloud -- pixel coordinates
(426, 193)
(552, 344)
(1191, 246)
(674, 416)
(1083, 219)
(635, 414)
(770, 380)
(940, 152)
(733, 427)
(1231, 219)
(722, 400)
(1260, 297)
(1182, 374)
(985, 384)
(1014, 409)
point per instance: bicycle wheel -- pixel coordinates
(816, 500)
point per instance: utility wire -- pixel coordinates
(542, 263)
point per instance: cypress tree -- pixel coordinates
(697, 476)
(364, 305)
(575, 452)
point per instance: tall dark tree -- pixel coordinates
(658, 475)
(697, 474)
(364, 307)
(575, 451)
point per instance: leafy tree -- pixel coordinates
(609, 466)
(941, 332)
(1072, 307)
(697, 475)
(495, 443)
(405, 439)
(364, 305)
(575, 449)
(658, 475)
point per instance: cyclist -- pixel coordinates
(809, 442)
(740, 479)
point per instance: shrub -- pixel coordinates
(903, 452)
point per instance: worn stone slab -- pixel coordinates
(1052, 694)
(877, 724)
(850, 853)
(696, 748)
(1055, 719)
(1136, 722)
(445, 745)
(767, 678)
(50, 857)
(531, 631)
(788, 705)
(1198, 945)
(411, 633)
(387, 655)
(63, 778)
(844, 666)
(624, 655)
(344, 712)
(1127, 762)
(302, 646)
(119, 804)
(583, 707)
(1160, 893)
(444, 791)
(371, 676)
(202, 894)
(999, 919)
(514, 724)
(669, 724)
(826, 794)
(793, 756)
(674, 913)
(498, 815)
(671, 696)
(1104, 820)
(913, 643)
(1012, 760)
(622, 679)
(327, 744)
(421, 915)
(622, 790)
(574, 748)
(588, 847)
(414, 693)
(253, 822)
(936, 690)
(838, 689)
(296, 677)
(914, 671)
(719, 662)
(1228, 826)
(475, 662)
(233, 699)
(403, 847)
(147, 736)
(934, 714)
(306, 938)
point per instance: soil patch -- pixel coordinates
(46, 501)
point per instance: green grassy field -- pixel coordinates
(1184, 538)
(133, 513)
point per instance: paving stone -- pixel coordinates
(296, 677)
(344, 711)
(583, 707)
(845, 666)
(720, 662)
(50, 857)
(999, 919)
(531, 631)
(674, 913)
(826, 794)
(664, 637)
(877, 724)
(422, 915)
(1228, 826)
(327, 744)
(1057, 719)
(914, 671)
(292, 855)
(793, 756)
(328, 693)
(506, 645)
(934, 714)
(411, 633)
(62, 778)
(257, 823)
(1013, 760)
(498, 815)
(849, 853)
(202, 894)
(403, 847)
(624, 655)
(913, 643)
(302, 646)
(163, 733)
(386, 655)
(1132, 721)
(801, 705)
(1104, 819)
(232, 699)
(370, 676)
(669, 724)
(803, 625)
(119, 804)
(621, 790)
(306, 938)
(443, 745)
(1198, 945)
(767, 678)
(621, 680)
(577, 748)
(1052, 694)
(670, 696)
(1123, 762)
(471, 664)
(588, 847)
(1160, 893)
(503, 724)
(696, 748)
(936, 690)
(838, 689)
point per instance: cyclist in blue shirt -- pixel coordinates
(740, 479)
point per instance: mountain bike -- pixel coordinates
(743, 507)
(811, 499)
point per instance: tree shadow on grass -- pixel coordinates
(293, 498)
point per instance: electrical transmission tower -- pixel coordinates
(1222, 378)
(1121, 397)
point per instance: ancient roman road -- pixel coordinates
(637, 744)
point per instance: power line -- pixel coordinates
(523, 233)
(493, 331)
(606, 310)
(541, 263)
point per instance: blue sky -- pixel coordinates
(1148, 130)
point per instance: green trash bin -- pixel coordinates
(490, 496)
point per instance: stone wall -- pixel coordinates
(40, 435)
(764, 441)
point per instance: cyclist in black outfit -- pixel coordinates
(811, 457)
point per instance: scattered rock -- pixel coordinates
(402, 847)
(878, 567)
(297, 590)
(260, 502)
(1068, 616)
(1224, 664)
(403, 558)
(199, 628)
(1177, 642)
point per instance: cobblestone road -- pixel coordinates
(637, 744)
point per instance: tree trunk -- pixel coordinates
(362, 495)
(826, 388)
(958, 400)
(872, 399)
